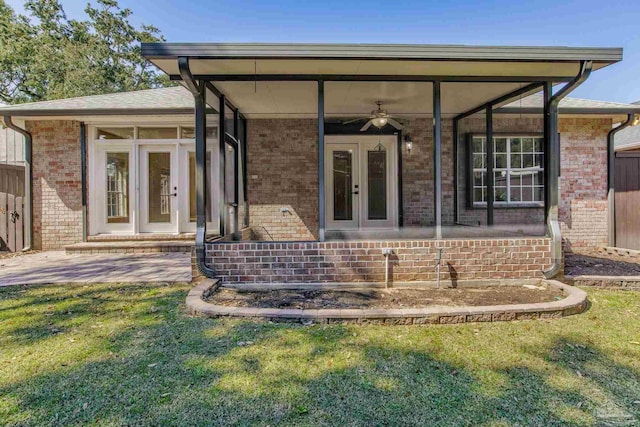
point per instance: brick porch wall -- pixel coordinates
(282, 171)
(57, 185)
(363, 261)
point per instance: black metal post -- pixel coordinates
(222, 149)
(201, 154)
(437, 159)
(455, 170)
(245, 174)
(83, 177)
(548, 128)
(321, 213)
(236, 180)
(489, 160)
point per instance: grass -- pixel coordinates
(128, 355)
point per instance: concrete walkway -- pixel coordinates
(59, 267)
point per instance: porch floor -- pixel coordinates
(448, 232)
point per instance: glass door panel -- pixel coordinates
(342, 186)
(158, 189)
(377, 185)
(117, 191)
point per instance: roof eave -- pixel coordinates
(380, 52)
(97, 112)
(580, 111)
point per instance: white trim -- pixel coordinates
(363, 143)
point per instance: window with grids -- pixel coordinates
(518, 170)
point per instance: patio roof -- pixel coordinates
(275, 80)
(178, 100)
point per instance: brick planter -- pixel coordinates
(574, 303)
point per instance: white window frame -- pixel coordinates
(508, 170)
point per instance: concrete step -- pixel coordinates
(130, 247)
(146, 237)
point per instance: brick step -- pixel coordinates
(147, 237)
(130, 247)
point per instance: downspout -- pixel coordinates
(199, 94)
(611, 190)
(552, 163)
(29, 177)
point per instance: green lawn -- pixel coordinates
(128, 355)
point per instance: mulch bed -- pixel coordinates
(385, 298)
(595, 263)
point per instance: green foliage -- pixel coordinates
(46, 55)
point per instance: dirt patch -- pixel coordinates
(386, 298)
(595, 263)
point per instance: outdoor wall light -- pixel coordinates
(408, 143)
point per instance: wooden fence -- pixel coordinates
(12, 180)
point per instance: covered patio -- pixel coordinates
(398, 157)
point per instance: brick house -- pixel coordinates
(313, 163)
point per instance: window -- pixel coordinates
(518, 170)
(157, 133)
(115, 133)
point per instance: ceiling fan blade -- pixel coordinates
(354, 120)
(394, 123)
(366, 126)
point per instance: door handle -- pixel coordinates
(355, 192)
(14, 216)
(170, 194)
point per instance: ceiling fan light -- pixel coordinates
(379, 121)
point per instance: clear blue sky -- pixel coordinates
(568, 23)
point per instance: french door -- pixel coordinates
(361, 180)
(158, 188)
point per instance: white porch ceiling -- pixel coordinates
(351, 99)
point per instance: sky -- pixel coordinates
(593, 23)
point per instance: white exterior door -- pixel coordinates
(158, 191)
(361, 182)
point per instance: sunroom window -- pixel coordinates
(518, 170)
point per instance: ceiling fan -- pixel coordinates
(378, 118)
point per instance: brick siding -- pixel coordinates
(583, 208)
(282, 172)
(364, 262)
(57, 184)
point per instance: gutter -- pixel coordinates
(552, 165)
(198, 90)
(29, 178)
(611, 190)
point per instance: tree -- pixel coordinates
(46, 55)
